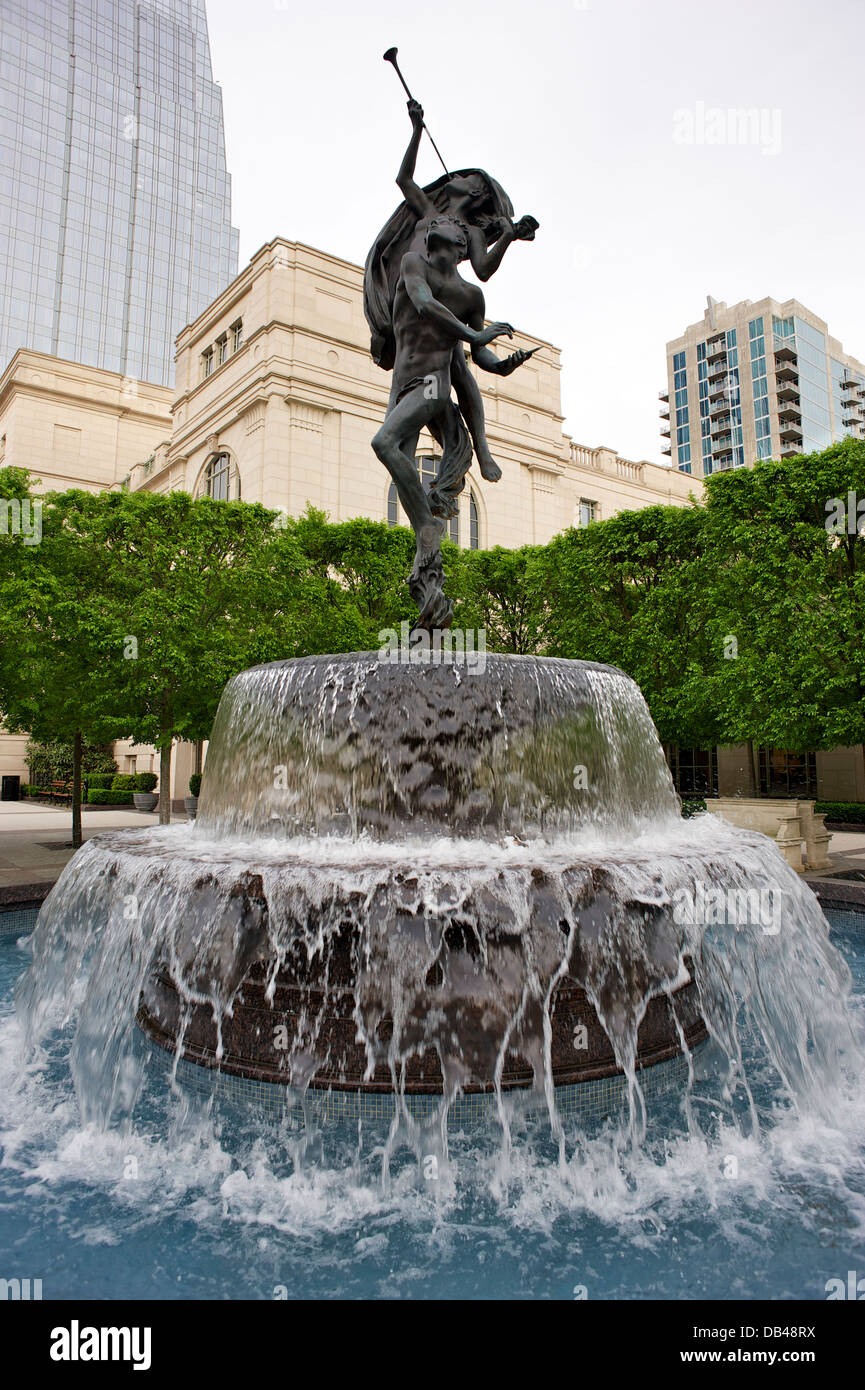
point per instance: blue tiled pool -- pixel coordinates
(200, 1201)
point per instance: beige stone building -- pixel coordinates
(73, 426)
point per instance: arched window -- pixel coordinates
(474, 524)
(427, 467)
(220, 480)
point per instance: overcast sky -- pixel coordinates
(600, 118)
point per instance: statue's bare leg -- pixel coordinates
(472, 406)
(402, 424)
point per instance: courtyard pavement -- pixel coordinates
(35, 840)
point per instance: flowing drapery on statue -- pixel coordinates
(421, 312)
(397, 236)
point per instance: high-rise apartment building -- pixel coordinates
(115, 202)
(756, 381)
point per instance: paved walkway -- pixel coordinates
(35, 840)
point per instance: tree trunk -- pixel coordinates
(165, 784)
(199, 751)
(755, 766)
(76, 790)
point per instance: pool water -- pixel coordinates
(192, 1200)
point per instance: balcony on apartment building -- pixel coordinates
(785, 349)
(791, 438)
(786, 374)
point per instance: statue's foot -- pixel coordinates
(489, 468)
(437, 613)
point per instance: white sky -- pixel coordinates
(570, 105)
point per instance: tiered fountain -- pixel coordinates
(411, 887)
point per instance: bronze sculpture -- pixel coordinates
(421, 311)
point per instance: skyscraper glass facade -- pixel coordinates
(760, 389)
(115, 201)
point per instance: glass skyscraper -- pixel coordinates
(115, 201)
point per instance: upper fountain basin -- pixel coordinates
(514, 745)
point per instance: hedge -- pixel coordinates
(123, 782)
(100, 779)
(692, 806)
(107, 796)
(851, 811)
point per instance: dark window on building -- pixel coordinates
(392, 506)
(474, 524)
(695, 770)
(787, 774)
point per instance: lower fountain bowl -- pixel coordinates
(301, 1034)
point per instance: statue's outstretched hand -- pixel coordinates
(495, 330)
(415, 111)
(515, 360)
(526, 228)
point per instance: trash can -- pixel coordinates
(10, 789)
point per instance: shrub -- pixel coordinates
(692, 806)
(195, 784)
(851, 811)
(145, 781)
(101, 780)
(123, 782)
(106, 796)
(54, 760)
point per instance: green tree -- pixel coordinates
(786, 544)
(49, 614)
(504, 593)
(635, 591)
(358, 570)
(191, 591)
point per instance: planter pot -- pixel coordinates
(145, 801)
(191, 805)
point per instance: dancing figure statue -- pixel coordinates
(421, 312)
